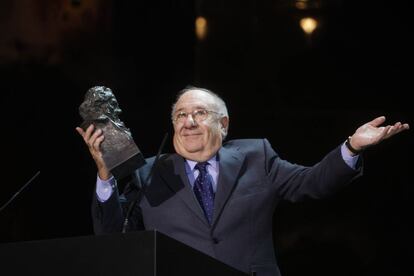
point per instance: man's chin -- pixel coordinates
(193, 149)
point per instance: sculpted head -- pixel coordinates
(200, 121)
(99, 103)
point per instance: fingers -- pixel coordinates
(396, 128)
(406, 126)
(80, 131)
(384, 132)
(377, 121)
(92, 138)
(85, 134)
(96, 139)
(389, 131)
(88, 133)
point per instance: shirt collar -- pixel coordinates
(212, 161)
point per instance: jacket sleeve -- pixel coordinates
(109, 216)
(295, 182)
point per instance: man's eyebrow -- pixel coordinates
(195, 108)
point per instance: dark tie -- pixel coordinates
(203, 189)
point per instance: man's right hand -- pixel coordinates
(93, 139)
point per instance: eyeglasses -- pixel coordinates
(198, 115)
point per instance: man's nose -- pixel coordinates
(189, 121)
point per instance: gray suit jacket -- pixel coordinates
(252, 180)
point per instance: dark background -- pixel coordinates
(305, 94)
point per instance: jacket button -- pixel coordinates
(215, 241)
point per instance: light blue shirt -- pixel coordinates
(104, 189)
(212, 168)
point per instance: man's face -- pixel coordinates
(198, 141)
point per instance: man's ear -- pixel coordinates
(224, 125)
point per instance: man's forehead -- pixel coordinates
(195, 97)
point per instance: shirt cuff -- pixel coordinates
(105, 188)
(350, 160)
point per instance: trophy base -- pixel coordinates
(129, 166)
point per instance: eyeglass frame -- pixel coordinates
(175, 119)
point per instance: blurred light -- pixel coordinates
(308, 25)
(301, 4)
(308, 4)
(201, 28)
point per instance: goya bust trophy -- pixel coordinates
(120, 153)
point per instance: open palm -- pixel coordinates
(372, 133)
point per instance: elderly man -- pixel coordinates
(220, 197)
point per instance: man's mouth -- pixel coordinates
(191, 134)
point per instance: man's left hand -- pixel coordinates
(372, 133)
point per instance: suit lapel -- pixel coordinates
(231, 161)
(173, 174)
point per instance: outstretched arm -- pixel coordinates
(372, 133)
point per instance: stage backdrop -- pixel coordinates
(304, 92)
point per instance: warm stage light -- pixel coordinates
(201, 28)
(301, 4)
(308, 25)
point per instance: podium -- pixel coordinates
(146, 253)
